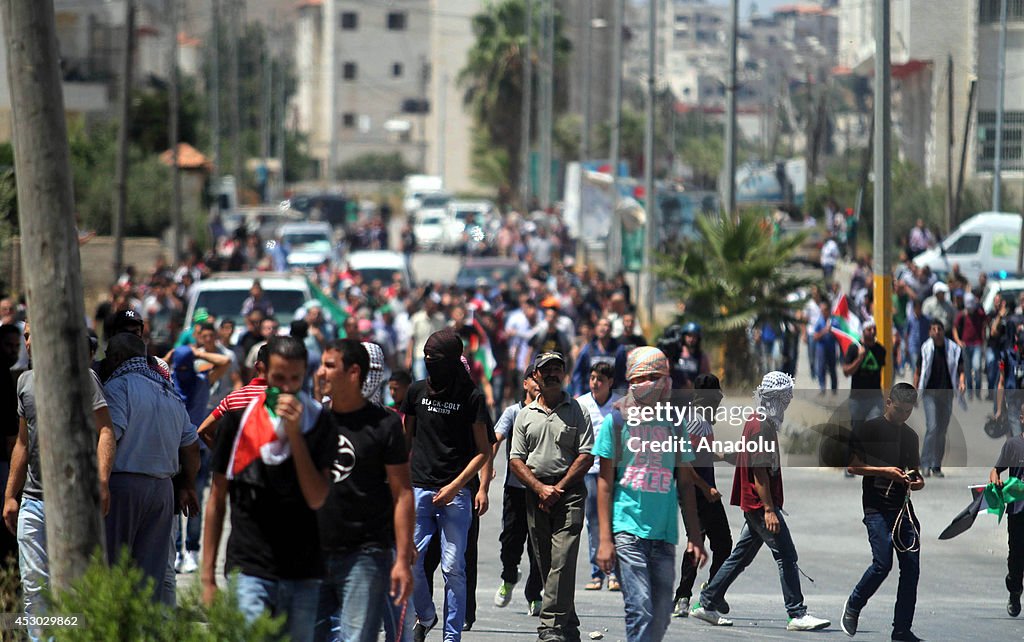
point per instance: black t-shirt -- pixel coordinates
(273, 530)
(551, 341)
(1012, 456)
(879, 442)
(939, 378)
(359, 508)
(869, 375)
(443, 444)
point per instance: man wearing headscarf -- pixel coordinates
(446, 425)
(373, 390)
(637, 497)
(757, 490)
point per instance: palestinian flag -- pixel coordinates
(989, 498)
(845, 324)
(338, 314)
(259, 426)
(480, 346)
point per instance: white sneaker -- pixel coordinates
(711, 617)
(189, 563)
(807, 623)
(178, 560)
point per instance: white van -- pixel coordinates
(987, 242)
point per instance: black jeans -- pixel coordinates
(432, 560)
(714, 526)
(1015, 558)
(514, 534)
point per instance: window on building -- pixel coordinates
(988, 11)
(349, 20)
(349, 71)
(396, 21)
(397, 70)
(348, 120)
(1013, 141)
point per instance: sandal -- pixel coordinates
(613, 584)
(595, 584)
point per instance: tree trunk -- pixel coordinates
(67, 436)
(737, 362)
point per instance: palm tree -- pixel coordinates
(734, 277)
(493, 82)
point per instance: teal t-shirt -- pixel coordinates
(644, 500)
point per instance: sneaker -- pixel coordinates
(723, 606)
(711, 617)
(850, 619)
(504, 595)
(682, 608)
(189, 563)
(534, 608)
(807, 623)
(1013, 605)
(467, 626)
(937, 472)
(179, 559)
(905, 636)
(419, 632)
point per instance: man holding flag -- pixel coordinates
(1012, 457)
(863, 364)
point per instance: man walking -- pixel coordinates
(369, 510)
(757, 490)
(274, 459)
(940, 371)
(884, 451)
(1011, 458)
(602, 349)
(514, 532)
(637, 497)
(551, 452)
(446, 424)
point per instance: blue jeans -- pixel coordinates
(972, 367)
(296, 599)
(880, 526)
(992, 369)
(938, 408)
(812, 352)
(453, 522)
(350, 607)
(593, 531)
(647, 572)
(419, 369)
(33, 560)
(825, 360)
(194, 526)
(752, 536)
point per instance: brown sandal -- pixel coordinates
(613, 584)
(595, 584)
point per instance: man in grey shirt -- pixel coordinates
(154, 435)
(551, 452)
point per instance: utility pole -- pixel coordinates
(442, 124)
(282, 122)
(174, 101)
(233, 97)
(971, 94)
(615, 233)
(882, 251)
(950, 199)
(650, 195)
(53, 282)
(330, 83)
(547, 84)
(268, 88)
(587, 9)
(424, 80)
(526, 111)
(125, 107)
(997, 168)
(729, 195)
(215, 89)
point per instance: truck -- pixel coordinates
(415, 186)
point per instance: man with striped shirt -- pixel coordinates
(236, 400)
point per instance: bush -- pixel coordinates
(375, 167)
(116, 604)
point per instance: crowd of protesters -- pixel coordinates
(356, 445)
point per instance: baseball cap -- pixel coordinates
(546, 358)
(528, 373)
(200, 315)
(126, 319)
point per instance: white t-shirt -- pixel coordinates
(597, 415)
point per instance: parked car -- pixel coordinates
(430, 228)
(223, 294)
(308, 244)
(492, 271)
(987, 242)
(1006, 287)
(380, 265)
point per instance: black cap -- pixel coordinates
(126, 319)
(546, 358)
(528, 373)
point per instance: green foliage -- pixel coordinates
(706, 156)
(374, 166)
(150, 117)
(116, 603)
(735, 277)
(490, 163)
(493, 76)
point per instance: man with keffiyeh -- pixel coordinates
(636, 500)
(757, 490)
